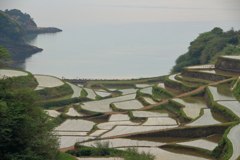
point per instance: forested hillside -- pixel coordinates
(10, 29)
(12, 38)
(27, 23)
(23, 18)
(208, 46)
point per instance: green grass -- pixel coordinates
(103, 149)
(64, 156)
(84, 93)
(55, 92)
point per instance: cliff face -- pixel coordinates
(12, 38)
(28, 24)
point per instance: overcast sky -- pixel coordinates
(126, 11)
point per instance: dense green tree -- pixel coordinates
(25, 130)
(10, 29)
(208, 46)
(4, 57)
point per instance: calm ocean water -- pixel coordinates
(91, 47)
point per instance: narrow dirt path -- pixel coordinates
(222, 81)
(166, 100)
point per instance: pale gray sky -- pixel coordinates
(126, 11)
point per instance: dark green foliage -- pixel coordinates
(4, 57)
(26, 132)
(207, 46)
(10, 28)
(21, 17)
(55, 92)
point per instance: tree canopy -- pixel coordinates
(10, 28)
(4, 57)
(25, 130)
(208, 46)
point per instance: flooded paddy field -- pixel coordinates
(134, 111)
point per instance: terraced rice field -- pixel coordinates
(172, 77)
(52, 113)
(149, 100)
(102, 94)
(147, 90)
(143, 85)
(166, 155)
(162, 121)
(48, 81)
(122, 130)
(128, 91)
(129, 105)
(11, 73)
(232, 57)
(110, 125)
(103, 105)
(208, 71)
(91, 94)
(73, 112)
(75, 125)
(234, 106)
(221, 93)
(123, 142)
(201, 143)
(72, 133)
(112, 89)
(76, 90)
(148, 114)
(119, 117)
(98, 133)
(68, 141)
(192, 106)
(205, 119)
(233, 136)
(161, 85)
(206, 66)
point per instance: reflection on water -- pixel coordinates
(221, 92)
(30, 38)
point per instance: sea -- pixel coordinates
(113, 39)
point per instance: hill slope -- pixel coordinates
(208, 46)
(12, 38)
(28, 24)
